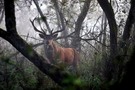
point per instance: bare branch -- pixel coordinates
(42, 15)
(69, 35)
(92, 46)
(96, 22)
(61, 16)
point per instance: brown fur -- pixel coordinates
(67, 55)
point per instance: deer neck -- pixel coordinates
(56, 47)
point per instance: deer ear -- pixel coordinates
(55, 35)
(41, 35)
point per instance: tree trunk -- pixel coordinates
(110, 65)
(62, 24)
(76, 41)
(104, 22)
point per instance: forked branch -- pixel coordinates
(42, 15)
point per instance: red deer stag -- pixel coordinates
(55, 52)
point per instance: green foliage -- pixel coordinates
(25, 75)
(7, 78)
(75, 82)
(95, 82)
(13, 76)
(72, 79)
(90, 71)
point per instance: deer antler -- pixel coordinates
(52, 33)
(32, 22)
(42, 31)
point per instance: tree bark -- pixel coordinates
(108, 10)
(128, 28)
(110, 65)
(76, 42)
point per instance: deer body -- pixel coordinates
(61, 53)
(56, 53)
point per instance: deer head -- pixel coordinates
(46, 37)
